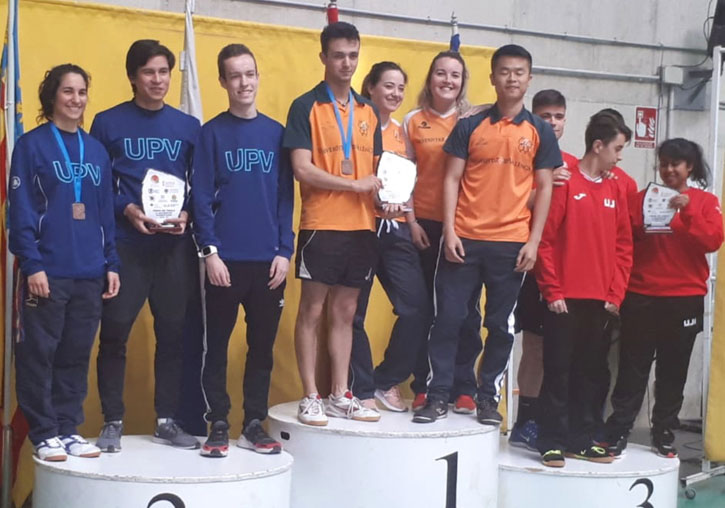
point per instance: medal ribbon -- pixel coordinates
(346, 141)
(68, 163)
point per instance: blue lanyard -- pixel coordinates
(346, 141)
(68, 163)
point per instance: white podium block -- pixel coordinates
(149, 475)
(392, 463)
(639, 478)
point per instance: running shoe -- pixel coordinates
(525, 435)
(487, 412)
(616, 447)
(432, 411)
(254, 437)
(592, 453)
(391, 399)
(110, 438)
(553, 458)
(662, 443)
(464, 405)
(349, 406)
(418, 401)
(169, 433)
(78, 447)
(217, 444)
(311, 410)
(51, 450)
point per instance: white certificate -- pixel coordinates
(656, 209)
(398, 175)
(162, 196)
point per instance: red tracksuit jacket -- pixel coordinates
(674, 264)
(586, 247)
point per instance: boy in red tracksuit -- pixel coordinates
(583, 266)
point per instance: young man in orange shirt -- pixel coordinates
(334, 138)
(494, 158)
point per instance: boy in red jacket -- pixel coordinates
(583, 266)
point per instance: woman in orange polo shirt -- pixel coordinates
(399, 270)
(440, 103)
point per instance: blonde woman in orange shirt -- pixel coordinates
(440, 103)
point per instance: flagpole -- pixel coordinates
(9, 143)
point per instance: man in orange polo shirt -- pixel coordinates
(334, 139)
(494, 158)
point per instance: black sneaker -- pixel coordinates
(254, 437)
(592, 453)
(169, 433)
(217, 444)
(616, 447)
(487, 412)
(553, 458)
(432, 411)
(662, 440)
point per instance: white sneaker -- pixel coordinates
(311, 410)
(51, 450)
(78, 447)
(348, 406)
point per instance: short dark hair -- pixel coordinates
(49, 87)
(510, 50)
(230, 51)
(604, 127)
(144, 50)
(689, 152)
(546, 98)
(376, 73)
(339, 30)
(611, 111)
(619, 118)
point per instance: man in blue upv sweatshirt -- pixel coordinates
(243, 202)
(158, 263)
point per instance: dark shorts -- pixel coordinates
(344, 258)
(531, 307)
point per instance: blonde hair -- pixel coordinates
(425, 98)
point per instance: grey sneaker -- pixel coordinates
(169, 433)
(110, 439)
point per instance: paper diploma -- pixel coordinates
(398, 175)
(656, 209)
(162, 196)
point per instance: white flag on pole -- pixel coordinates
(190, 92)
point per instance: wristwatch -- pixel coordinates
(207, 251)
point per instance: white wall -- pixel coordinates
(668, 23)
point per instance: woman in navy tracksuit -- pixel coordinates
(62, 232)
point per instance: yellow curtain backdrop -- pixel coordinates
(714, 442)
(97, 37)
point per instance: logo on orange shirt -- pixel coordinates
(525, 145)
(364, 127)
(424, 125)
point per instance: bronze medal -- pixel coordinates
(79, 211)
(347, 167)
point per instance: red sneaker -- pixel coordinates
(419, 401)
(465, 405)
